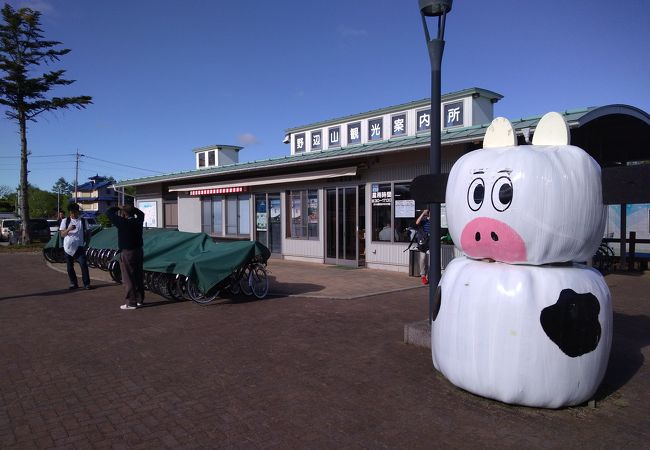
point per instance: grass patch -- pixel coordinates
(20, 248)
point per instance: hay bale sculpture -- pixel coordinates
(519, 319)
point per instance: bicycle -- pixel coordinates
(603, 259)
(250, 279)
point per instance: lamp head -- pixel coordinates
(434, 8)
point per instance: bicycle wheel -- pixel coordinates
(259, 281)
(115, 271)
(244, 281)
(234, 286)
(196, 295)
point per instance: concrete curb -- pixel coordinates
(418, 333)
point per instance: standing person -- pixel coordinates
(128, 221)
(423, 221)
(75, 234)
(60, 217)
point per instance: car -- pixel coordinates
(92, 223)
(39, 229)
(8, 227)
(54, 226)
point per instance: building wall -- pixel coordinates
(227, 156)
(395, 167)
(189, 213)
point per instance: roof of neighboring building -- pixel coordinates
(90, 186)
(493, 96)
(575, 118)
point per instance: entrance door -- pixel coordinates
(269, 221)
(344, 238)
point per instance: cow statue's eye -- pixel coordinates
(476, 194)
(502, 194)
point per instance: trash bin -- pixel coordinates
(414, 263)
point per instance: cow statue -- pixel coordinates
(520, 319)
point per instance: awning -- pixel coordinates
(293, 178)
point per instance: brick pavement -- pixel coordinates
(286, 372)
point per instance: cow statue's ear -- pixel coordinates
(552, 129)
(500, 134)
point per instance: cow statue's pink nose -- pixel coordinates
(491, 238)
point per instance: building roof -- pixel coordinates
(575, 118)
(217, 147)
(92, 186)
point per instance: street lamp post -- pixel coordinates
(434, 9)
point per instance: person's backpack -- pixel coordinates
(419, 239)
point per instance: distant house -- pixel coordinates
(96, 195)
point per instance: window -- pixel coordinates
(217, 214)
(381, 200)
(398, 125)
(303, 217)
(211, 158)
(201, 159)
(375, 129)
(393, 212)
(231, 210)
(238, 214)
(300, 143)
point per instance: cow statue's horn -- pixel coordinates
(500, 134)
(552, 129)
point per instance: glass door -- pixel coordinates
(268, 221)
(342, 241)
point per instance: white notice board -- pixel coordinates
(150, 210)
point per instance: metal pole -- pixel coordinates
(76, 177)
(436, 47)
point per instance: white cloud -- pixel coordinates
(247, 139)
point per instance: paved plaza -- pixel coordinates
(319, 364)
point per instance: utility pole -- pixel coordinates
(76, 175)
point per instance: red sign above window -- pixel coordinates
(224, 190)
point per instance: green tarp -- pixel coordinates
(194, 255)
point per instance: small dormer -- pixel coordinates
(216, 156)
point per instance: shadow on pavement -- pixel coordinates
(64, 291)
(631, 335)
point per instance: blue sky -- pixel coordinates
(167, 76)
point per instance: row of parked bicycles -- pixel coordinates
(249, 279)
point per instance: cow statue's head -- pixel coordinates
(530, 204)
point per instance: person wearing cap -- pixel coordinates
(75, 234)
(128, 221)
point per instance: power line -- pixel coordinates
(124, 165)
(40, 156)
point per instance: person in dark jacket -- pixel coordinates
(128, 221)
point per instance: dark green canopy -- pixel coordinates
(194, 255)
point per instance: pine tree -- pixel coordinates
(23, 50)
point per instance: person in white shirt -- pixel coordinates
(74, 234)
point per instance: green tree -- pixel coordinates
(22, 51)
(41, 203)
(62, 186)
